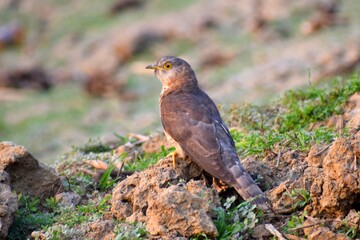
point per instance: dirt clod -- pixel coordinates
(331, 178)
(165, 199)
(68, 199)
(177, 210)
(315, 231)
(102, 229)
(8, 204)
(27, 175)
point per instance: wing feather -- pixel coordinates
(194, 122)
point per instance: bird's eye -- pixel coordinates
(168, 65)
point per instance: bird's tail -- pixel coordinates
(248, 190)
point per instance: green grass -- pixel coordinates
(294, 221)
(49, 123)
(79, 183)
(49, 217)
(300, 197)
(316, 104)
(236, 222)
(147, 159)
(133, 231)
(106, 181)
(350, 230)
(260, 143)
(94, 145)
(286, 123)
(84, 213)
(29, 218)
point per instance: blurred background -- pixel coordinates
(75, 69)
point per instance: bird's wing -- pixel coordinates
(194, 122)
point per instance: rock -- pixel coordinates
(260, 232)
(177, 210)
(356, 147)
(352, 114)
(100, 230)
(68, 199)
(27, 175)
(316, 182)
(98, 83)
(291, 176)
(327, 15)
(332, 179)
(8, 204)
(318, 232)
(281, 203)
(341, 187)
(353, 217)
(198, 189)
(166, 201)
(33, 77)
(316, 156)
(338, 161)
(123, 5)
(266, 176)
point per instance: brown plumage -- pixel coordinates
(192, 122)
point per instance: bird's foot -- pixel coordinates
(173, 155)
(174, 158)
(219, 185)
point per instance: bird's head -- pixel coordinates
(174, 73)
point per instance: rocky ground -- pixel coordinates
(129, 189)
(84, 65)
(86, 61)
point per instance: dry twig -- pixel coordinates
(274, 232)
(322, 150)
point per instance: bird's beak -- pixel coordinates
(153, 66)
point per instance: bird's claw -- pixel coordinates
(174, 159)
(173, 156)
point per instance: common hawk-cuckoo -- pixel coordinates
(192, 122)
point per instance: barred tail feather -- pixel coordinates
(248, 189)
(256, 197)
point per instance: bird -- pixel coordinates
(192, 123)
